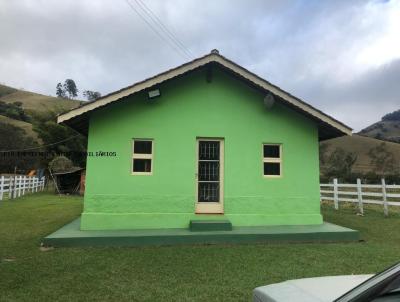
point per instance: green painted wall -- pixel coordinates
(188, 108)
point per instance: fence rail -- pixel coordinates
(381, 194)
(19, 185)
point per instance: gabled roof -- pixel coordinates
(328, 126)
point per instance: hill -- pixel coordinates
(4, 90)
(360, 145)
(384, 130)
(27, 127)
(388, 128)
(35, 102)
(32, 103)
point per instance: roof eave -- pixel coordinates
(79, 115)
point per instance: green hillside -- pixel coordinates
(4, 90)
(27, 127)
(32, 104)
(35, 102)
(360, 146)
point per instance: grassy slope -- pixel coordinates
(389, 130)
(181, 273)
(27, 127)
(360, 145)
(36, 102)
(4, 90)
(32, 102)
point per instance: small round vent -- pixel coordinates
(269, 101)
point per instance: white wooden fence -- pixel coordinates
(19, 185)
(381, 194)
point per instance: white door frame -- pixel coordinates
(211, 207)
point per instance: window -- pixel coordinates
(272, 160)
(142, 157)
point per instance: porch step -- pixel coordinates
(210, 225)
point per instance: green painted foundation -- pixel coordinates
(71, 235)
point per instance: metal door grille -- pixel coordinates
(209, 171)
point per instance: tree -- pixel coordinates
(382, 159)
(70, 88)
(13, 138)
(60, 92)
(70, 143)
(91, 95)
(340, 164)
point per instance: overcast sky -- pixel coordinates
(341, 56)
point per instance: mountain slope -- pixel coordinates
(32, 103)
(360, 145)
(35, 102)
(27, 127)
(386, 130)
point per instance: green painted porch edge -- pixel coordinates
(70, 235)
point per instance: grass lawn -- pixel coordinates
(182, 273)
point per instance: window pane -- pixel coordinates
(272, 151)
(272, 169)
(141, 165)
(142, 147)
(208, 150)
(208, 171)
(208, 192)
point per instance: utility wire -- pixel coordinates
(35, 148)
(163, 27)
(177, 49)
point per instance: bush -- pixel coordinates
(14, 110)
(60, 164)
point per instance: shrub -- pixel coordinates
(60, 164)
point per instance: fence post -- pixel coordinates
(23, 188)
(385, 205)
(16, 187)
(10, 187)
(359, 195)
(335, 193)
(1, 187)
(20, 186)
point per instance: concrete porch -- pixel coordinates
(70, 235)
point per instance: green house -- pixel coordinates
(205, 141)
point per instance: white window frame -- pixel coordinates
(142, 156)
(272, 160)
